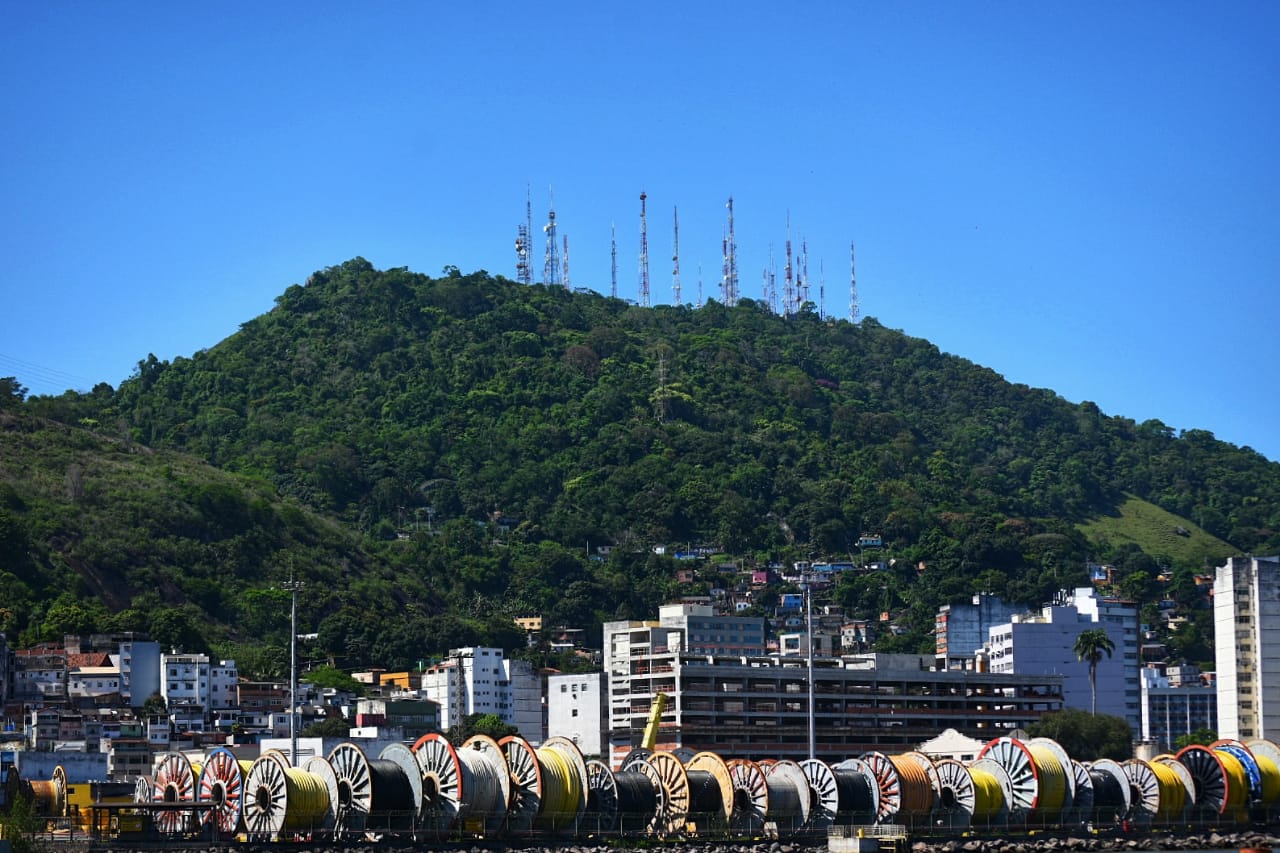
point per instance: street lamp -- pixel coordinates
(808, 631)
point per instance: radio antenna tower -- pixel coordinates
(524, 274)
(853, 287)
(802, 286)
(788, 286)
(730, 283)
(551, 266)
(644, 254)
(772, 296)
(566, 262)
(613, 257)
(675, 254)
(699, 284)
(822, 291)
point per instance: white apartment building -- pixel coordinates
(481, 680)
(93, 681)
(576, 710)
(184, 680)
(1043, 643)
(224, 682)
(1246, 623)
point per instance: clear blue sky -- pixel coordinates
(1082, 196)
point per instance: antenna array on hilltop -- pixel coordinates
(796, 283)
(675, 254)
(644, 254)
(551, 267)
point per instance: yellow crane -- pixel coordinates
(650, 739)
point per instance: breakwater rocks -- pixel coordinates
(1072, 844)
(1237, 841)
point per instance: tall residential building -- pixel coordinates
(1037, 643)
(1246, 623)
(1173, 707)
(960, 630)
(481, 681)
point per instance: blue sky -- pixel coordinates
(1081, 196)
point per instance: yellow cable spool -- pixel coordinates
(1237, 784)
(1173, 795)
(564, 779)
(988, 796)
(1267, 754)
(279, 799)
(1052, 777)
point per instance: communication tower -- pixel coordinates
(802, 285)
(675, 254)
(551, 265)
(699, 284)
(853, 287)
(524, 244)
(613, 258)
(789, 284)
(822, 291)
(644, 254)
(729, 284)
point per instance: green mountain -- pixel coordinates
(436, 455)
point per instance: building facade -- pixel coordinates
(1042, 642)
(1246, 622)
(482, 681)
(759, 707)
(139, 663)
(576, 710)
(1172, 708)
(960, 630)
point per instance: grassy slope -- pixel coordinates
(1155, 531)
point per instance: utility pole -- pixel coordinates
(293, 586)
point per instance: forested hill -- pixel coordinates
(399, 403)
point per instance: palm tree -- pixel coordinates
(1090, 646)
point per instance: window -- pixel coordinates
(574, 712)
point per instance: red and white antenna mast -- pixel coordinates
(644, 254)
(675, 253)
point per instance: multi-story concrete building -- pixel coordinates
(1172, 708)
(481, 681)
(961, 630)
(224, 683)
(576, 710)
(1043, 642)
(184, 680)
(93, 682)
(1246, 622)
(139, 663)
(758, 706)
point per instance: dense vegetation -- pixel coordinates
(436, 455)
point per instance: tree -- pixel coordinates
(480, 724)
(1090, 646)
(335, 727)
(1201, 737)
(1086, 737)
